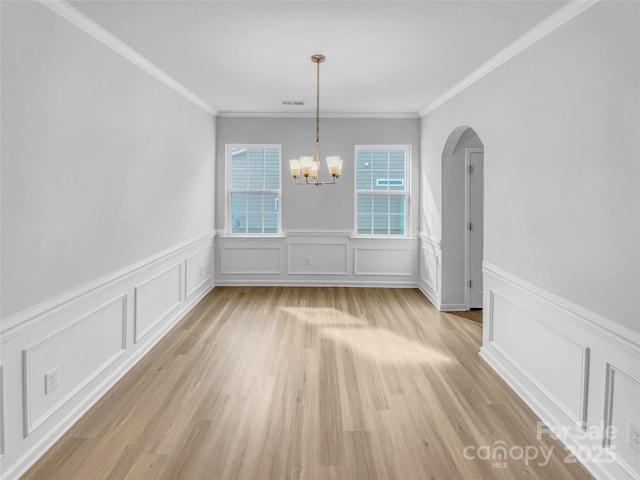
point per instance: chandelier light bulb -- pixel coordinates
(334, 164)
(306, 164)
(314, 170)
(296, 167)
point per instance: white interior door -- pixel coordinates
(474, 159)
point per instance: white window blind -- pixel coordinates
(381, 190)
(253, 189)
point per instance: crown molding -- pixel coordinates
(80, 20)
(561, 16)
(313, 115)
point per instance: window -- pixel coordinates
(253, 189)
(382, 191)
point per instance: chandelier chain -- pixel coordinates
(318, 102)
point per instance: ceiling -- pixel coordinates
(383, 57)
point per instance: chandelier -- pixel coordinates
(308, 166)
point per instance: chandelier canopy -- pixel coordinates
(308, 166)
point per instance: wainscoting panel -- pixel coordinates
(430, 260)
(317, 258)
(92, 335)
(383, 261)
(248, 260)
(198, 270)
(431, 269)
(562, 366)
(622, 399)
(577, 370)
(323, 258)
(156, 298)
(79, 352)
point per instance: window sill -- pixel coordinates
(257, 235)
(382, 237)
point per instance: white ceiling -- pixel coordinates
(383, 57)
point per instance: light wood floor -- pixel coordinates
(475, 315)
(313, 383)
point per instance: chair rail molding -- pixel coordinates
(624, 336)
(562, 360)
(18, 322)
(96, 322)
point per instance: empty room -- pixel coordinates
(378, 240)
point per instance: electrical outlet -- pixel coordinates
(307, 260)
(201, 271)
(51, 380)
(634, 436)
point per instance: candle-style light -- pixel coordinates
(308, 166)
(296, 167)
(334, 164)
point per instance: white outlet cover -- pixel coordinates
(51, 380)
(634, 436)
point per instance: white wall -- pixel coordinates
(107, 221)
(560, 127)
(560, 124)
(102, 165)
(317, 222)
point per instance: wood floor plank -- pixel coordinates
(307, 383)
(330, 431)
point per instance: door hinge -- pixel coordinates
(469, 283)
(470, 226)
(470, 168)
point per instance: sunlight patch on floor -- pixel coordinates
(325, 316)
(377, 344)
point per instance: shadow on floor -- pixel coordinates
(473, 314)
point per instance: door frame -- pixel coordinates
(467, 213)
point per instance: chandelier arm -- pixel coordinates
(317, 183)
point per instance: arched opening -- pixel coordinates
(462, 220)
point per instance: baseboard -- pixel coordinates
(541, 407)
(561, 360)
(32, 456)
(429, 293)
(453, 307)
(222, 282)
(101, 316)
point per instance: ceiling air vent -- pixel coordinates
(293, 102)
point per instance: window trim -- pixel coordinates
(407, 191)
(227, 193)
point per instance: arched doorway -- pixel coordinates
(462, 220)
